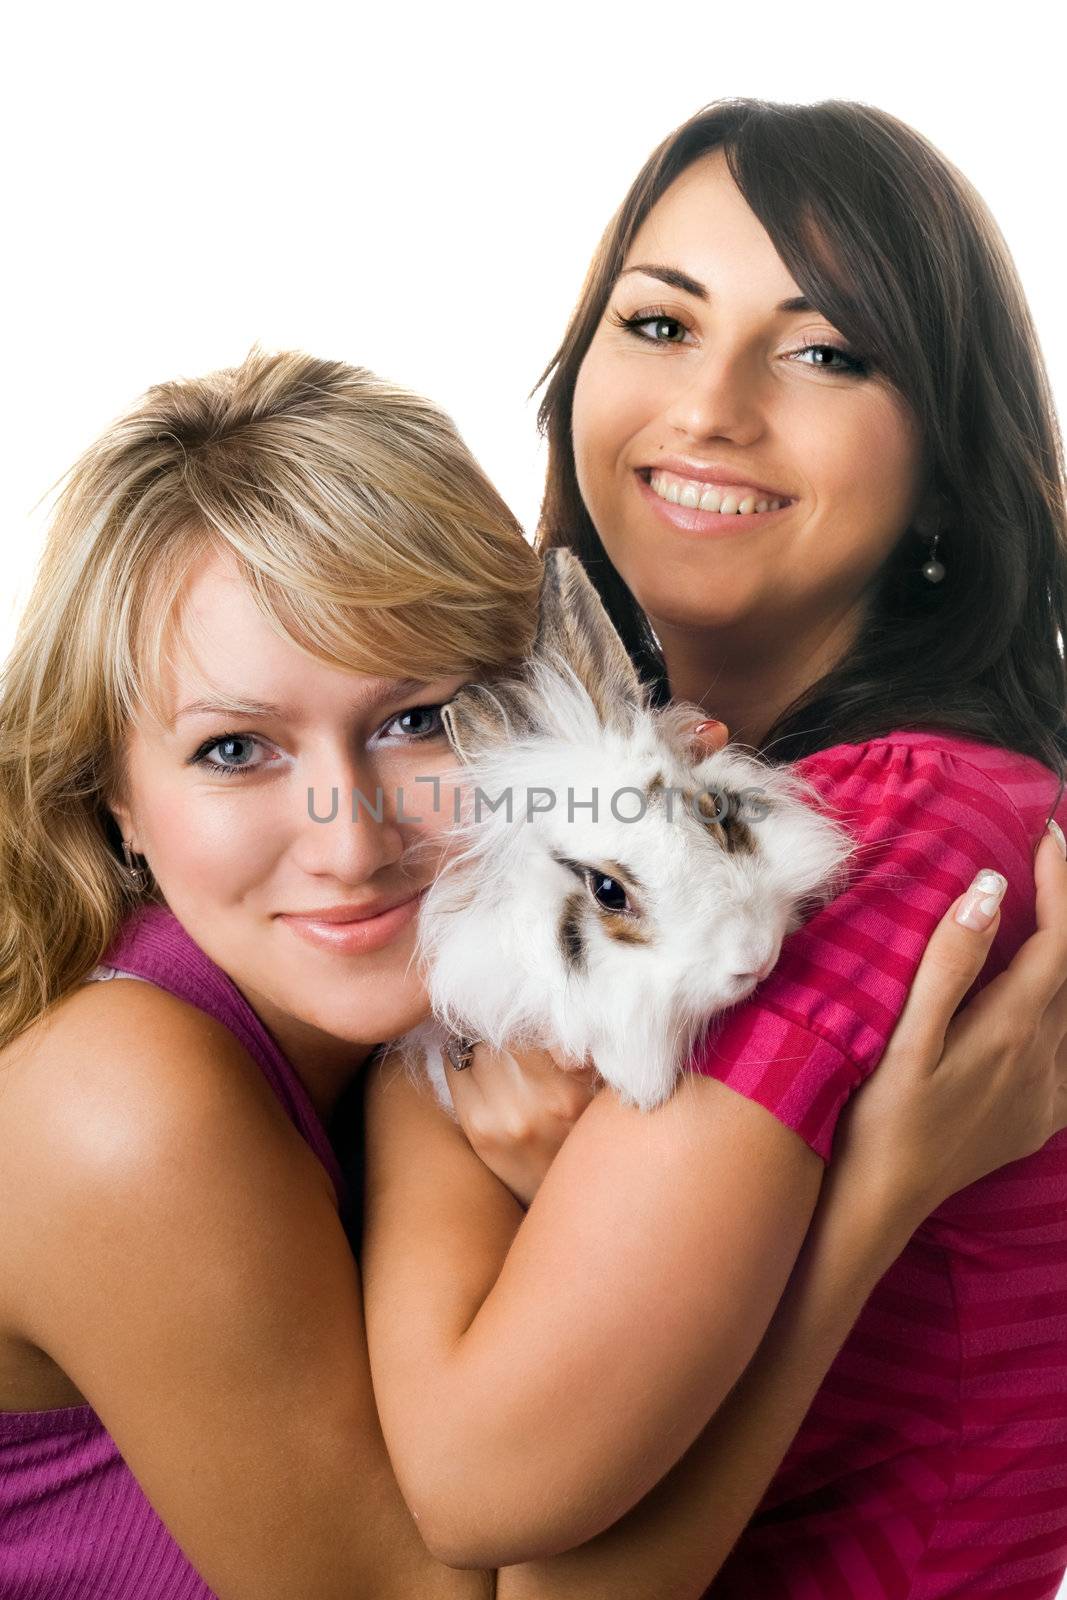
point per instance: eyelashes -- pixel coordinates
(851, 363)
(414, 711)
(202, 756)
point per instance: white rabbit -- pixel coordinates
(584, 932)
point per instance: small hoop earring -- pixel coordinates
(933, 570)
(136, 876)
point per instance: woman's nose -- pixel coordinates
(350, 829)
(718, 400)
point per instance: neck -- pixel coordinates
(746, 676)
(324, 1064)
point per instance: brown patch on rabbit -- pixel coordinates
(623, 929)
(726, 826)
(570, 931)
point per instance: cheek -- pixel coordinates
(872, 458)
(209, 845)
(864, 477)
(607, 412)
(429, 801)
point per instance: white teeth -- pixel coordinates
(693, 495)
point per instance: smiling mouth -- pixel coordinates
(728, 499)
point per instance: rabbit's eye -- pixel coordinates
(607, 892)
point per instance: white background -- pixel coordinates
(419, 188)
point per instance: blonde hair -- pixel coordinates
(368, 535)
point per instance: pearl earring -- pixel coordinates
(933, 570)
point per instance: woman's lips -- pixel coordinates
(705, 524)
(356, 938)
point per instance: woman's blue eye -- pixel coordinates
(430, 714)
(230, 747)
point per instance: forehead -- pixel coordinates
(224, 649)
(704, 224)
(223, 639)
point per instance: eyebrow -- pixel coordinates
(688, 285)
(232, 705)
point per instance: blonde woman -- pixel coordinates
(258, 584)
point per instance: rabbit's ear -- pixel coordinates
(484, 716)
(574, 624)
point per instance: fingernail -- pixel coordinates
(706, 727)
(979, 906)
(1057, 833)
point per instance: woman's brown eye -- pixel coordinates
(664, 330)
(653, 327)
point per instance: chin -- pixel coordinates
(370, 1017)
(720, 608)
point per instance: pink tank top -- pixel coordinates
(74, 1524)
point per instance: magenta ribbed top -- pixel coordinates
(74, 1524)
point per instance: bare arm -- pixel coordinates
(674, 1542)
(173, 1245)
(566, 1367)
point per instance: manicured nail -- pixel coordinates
(706, 727)
(979, 906)
(1057, 833)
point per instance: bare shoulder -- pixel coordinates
(120, 1055)
(125, 1095)
(173, 1247)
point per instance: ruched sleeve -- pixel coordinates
(925, 820)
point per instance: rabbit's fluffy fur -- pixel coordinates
(595, 937)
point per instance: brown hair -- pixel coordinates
(894, 245)
(367, 534)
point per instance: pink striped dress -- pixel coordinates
(933, 1461)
